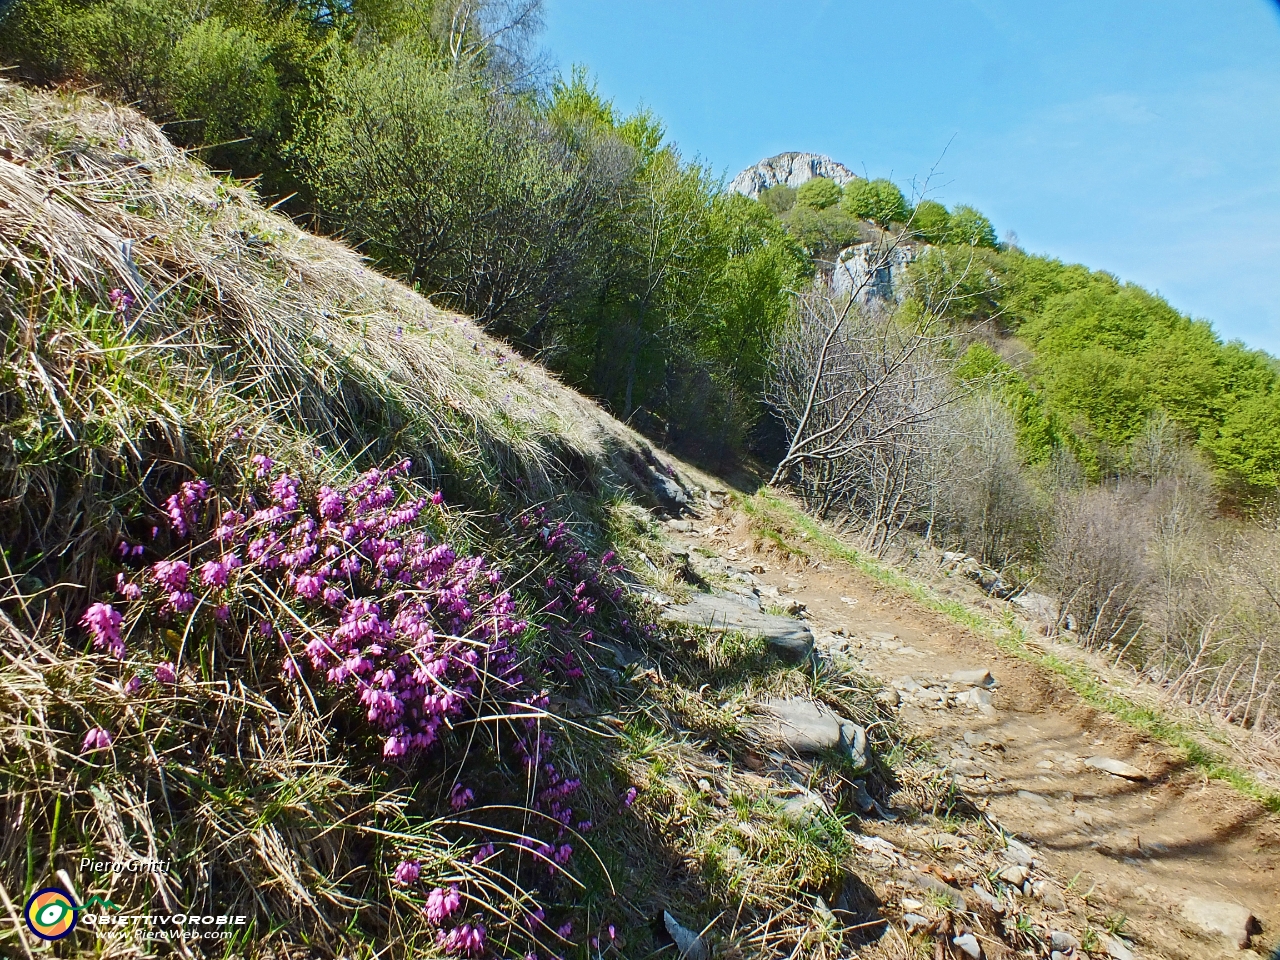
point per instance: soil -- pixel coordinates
(1137, 848)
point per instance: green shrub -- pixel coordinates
(822, 233)
(818, 193)
(876, 200)
(780, 199)
(967, 226)
(213, 58)
(930, 221)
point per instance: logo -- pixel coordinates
(51, 913)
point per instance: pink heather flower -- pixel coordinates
(408, 872)
(443, 904)
(133, 686)
(629, 797)
(289, 669)
(172, 574)
(563, 854)
(437, 498)
(461, 797)
(130, 591)
(484, 853)
(309, 586)
(330, 503)
(465, 939)
(166, 673)
(222, 612)
(214, 573)
(95, 739)
(182, 600)
(103, 623)
(613, 934)
(262, 464)
(565, 930)
(265, 628)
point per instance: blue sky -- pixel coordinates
(1137, 137)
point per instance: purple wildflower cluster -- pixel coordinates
(415, 631)
(121, 301)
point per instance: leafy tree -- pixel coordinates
(822, 233)
(212, 58)
(818, 193)
(930, 221)
(967, 226)
(1247, 445)
(779, 199)
(473, 199)
(876, 200)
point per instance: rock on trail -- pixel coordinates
(790, 639)
(806, 727)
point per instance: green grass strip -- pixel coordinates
(781, 522)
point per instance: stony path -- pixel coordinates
(1150, 844)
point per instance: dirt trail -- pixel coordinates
(1140, 848)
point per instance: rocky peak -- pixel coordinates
(791, 168)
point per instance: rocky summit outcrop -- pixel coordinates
(792, 169)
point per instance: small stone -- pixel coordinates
(1036, 799)
(806, 727)
(1115, 767)
(804, 808)
(1233, 921)
(1016, 851)
(862, 799)
(969, 944)
(992, 903)
(889, 697)
(980, 698)
(973, 678)
(1058, 955)
(1060, 940)
(1049, 895)
(962, 766)
(913, 922)
(927, 883)
(822, 910)
(681, 526)
(1116, 948)
(943, 841)
(1016, 874)
(689, 944)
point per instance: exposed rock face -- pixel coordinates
(861, 268)
(791, 169)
